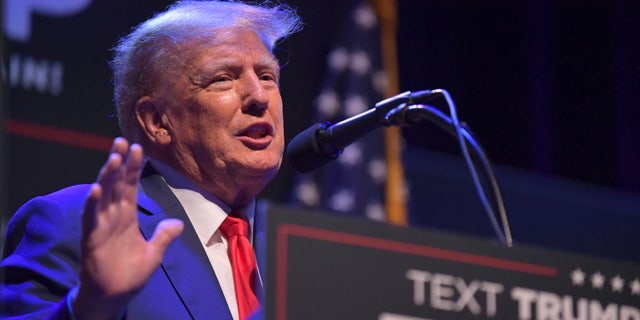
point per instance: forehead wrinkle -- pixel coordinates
(225, 43)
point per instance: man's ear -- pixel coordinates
(151, 121)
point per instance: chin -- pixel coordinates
(259, 165)
(266, 170)
(269, 172)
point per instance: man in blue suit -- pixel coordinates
(197, 87)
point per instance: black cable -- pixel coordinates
(413, 113)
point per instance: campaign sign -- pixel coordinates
(322, 266)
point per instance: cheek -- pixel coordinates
(215, 112)
(222, 99)
(279, 126)
(276, 111)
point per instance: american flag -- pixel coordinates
(353, 184)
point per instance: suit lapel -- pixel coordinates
(185, 262)
(260, 244)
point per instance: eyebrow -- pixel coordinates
(269, 62)
(208, 70)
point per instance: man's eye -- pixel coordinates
(221, 79)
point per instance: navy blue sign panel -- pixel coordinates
(329, 267)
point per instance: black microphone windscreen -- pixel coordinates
(304, 153)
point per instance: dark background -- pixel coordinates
(551, 89)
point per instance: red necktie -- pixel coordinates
(243, 263)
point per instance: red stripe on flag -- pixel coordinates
(58, 135)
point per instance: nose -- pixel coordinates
(255, 95)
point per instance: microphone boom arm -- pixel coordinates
(324, 142)
(347, 131)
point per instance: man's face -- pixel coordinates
(224, 113)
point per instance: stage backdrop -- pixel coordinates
(550, 87)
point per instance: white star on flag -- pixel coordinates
(355, 104)
(577, 277)
(597, 280)
(360, 62)
(328, 104)
(378, 170)
(635, 287)
(617, 283)
(351, 156)
(338, 59)
(375, 211)
(342, 200)
(365, 17)
(307, 192)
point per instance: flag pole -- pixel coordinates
(395, 193)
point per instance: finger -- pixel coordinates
(126, 186)
(119, 177)
(135, 161)
(133, 171)
(90, 209)
(121, 146)
(166, 231)
(108, 165)
(107, 179)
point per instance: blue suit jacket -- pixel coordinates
(42, 256)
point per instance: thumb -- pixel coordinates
(166, 231)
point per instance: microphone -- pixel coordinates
(323, 142)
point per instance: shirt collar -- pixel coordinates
(205, 211)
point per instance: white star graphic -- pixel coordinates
(338, 59)
(597, 280)
(352, 155)
(380, 82)
(377, 170)
(617, 283)
(355, 104)
(635, 287)
(307, 192)
(365, 17)
(577, 277)
(343, 201)
(374, 211)
(328, 104)
(360, 62)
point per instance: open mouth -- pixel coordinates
(257, 131)
(257, 135)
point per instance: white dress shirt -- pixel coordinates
(206, 212)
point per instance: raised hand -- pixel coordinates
(116, 260)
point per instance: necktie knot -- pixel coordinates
(232, 226)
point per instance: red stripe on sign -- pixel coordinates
(58, 135)
(419, 250)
